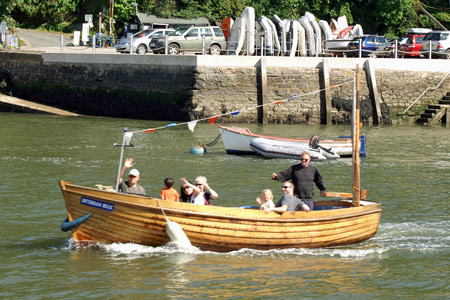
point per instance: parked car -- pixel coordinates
(189, 39)
(440, 44)
(141, 40)
(385, 49)
(412, 47)
(368, 44)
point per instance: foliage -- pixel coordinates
(375, 16)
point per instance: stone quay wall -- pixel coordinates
(184, 88)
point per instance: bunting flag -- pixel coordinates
(212, 120)
(191, 125)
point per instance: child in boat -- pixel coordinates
(169, 193)
(267, 200)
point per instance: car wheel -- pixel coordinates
(214, 50)
(174, 49)
(141, 49)
(447, 52)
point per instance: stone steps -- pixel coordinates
(435, 112)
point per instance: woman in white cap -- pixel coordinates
(130, 186)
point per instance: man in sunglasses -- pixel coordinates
(288, 201)
(130, 186)
(303, 176)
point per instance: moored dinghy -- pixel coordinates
(286, 149)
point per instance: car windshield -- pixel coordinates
(404, 40)
(179, 31)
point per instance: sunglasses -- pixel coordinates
(186, 187)
(285, 187)
(304, 159)
(199, 184)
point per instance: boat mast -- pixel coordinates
(356, 189)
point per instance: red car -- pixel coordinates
(412, 46)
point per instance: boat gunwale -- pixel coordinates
(370, 208)
(248, 132)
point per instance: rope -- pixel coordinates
(212, 143)
(162, 210)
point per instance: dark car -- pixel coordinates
(367, 43)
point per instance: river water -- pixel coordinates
(407, 169)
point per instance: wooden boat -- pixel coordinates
(237, 141)
(125, 218)
(102, 216)
(285, 149)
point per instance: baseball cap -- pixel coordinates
(134, 172)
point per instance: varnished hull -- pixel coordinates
(138, 219)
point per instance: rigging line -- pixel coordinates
(246, 109)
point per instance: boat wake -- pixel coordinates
(411, 236)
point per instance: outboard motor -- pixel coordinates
(314, 142)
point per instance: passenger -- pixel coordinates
(303, 176)
(169, 193)
(267, 200)
(202, 192)
(130, 186)
(288, 202)
(185, 192)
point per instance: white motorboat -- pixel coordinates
(237, 141)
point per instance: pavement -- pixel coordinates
(66, 49)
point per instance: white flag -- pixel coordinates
(191, 125)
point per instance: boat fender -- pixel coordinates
(198, 150)
(177, 235)
(314, 142)
(66, 225)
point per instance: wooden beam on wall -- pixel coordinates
(262, 92)
(325, 99)
(375, 99)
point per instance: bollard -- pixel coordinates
(93, 44)
(203, 45)
(262, 46)
(131, 44)
(429, 49)
(166, 46)
(62, 44)
(360, 48)
(396, 49)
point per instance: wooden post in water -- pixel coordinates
(262, 95)
(326, 107)
(356, 189)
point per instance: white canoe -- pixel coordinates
(286, 149)
(237, 140)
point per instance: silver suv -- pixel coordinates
(190, 39)
(440, 43)
(141, 40)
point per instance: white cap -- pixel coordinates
(134, 172)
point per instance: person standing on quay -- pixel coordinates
(303, 176)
